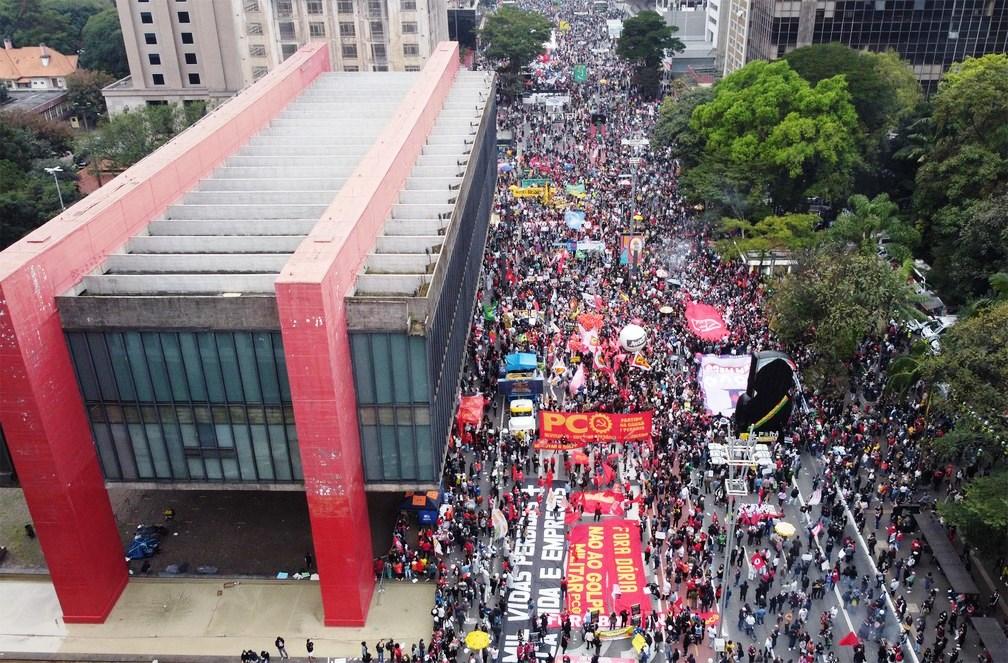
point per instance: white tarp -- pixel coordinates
(615, 27)
(723, 379)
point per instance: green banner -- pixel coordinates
(580, 73)
(536, 181)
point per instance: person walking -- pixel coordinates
(310, 647)
(281, 647)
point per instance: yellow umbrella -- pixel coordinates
(784, 529)
(477, 640)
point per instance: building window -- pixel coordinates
(408, 5)
(379, 67)
(377, 30)
(254, 28)
(347, 29)
(194, 79)
(412, 67)
(409, 27)
(183, 17)
(344, 6)
(287, 30)
(316, 29)
(284, 8)
(150, 38)
(190, 58)
(375, 7)
(410, 50)
(287, 50)
(259, 72)
(187, 37)
(378, 52)
(349, 50)
(257, 50)
(146, 17)
(351, 67)
(154, 58)
(315, 7)
(251, 5)
(157, 79)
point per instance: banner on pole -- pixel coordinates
(605, 570)
(705, 321)
(631, 249)
(723, 378)
(594, 426)
(580, 73)
(557, 445)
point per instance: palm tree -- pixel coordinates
(907, 370)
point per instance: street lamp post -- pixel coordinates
(52, 171)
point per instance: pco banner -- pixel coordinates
(594, 426)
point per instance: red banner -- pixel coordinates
(705, 321)
(558, 445)
(594, 426)
(610, 501)
(604, 556)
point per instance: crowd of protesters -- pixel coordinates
(863, 453)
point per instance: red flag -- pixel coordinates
(641, 362)
(849, 640)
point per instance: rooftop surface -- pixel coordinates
(233, 233)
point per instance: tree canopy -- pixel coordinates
(782, 137)
(644, 41)
(84, 94)
(103, 45)
(514, 35)
(867, 219)
(56, 23)
(672, 128)
(789, 232)
(130, 136)
(982, 514)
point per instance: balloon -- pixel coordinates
(632, 338)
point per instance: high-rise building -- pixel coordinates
(209, 50)
(929, 34)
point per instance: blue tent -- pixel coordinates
(519, 362)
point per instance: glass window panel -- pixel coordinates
(224, 438)
(400, 368)
(138, 366)
(407, 452)
(214, 472)
(156, 366)
(260, 444)
(229, 368)
(363, 378)
(190, 436)
(425, 453)
(124, 450)
(267, 367)
(211, 367)
(159, 454)
(176, 455)
(372, 454)
(246, 459)
(120, 364)
(295, 453)
(281, 463)
(106, 450)
(82, 363)
(196, 469)
(145, 468)
(418, 369)
(389, 451)
(103, 366)
(247, 367)
(281, 363)
(230, 467)
(421, 416)
(176, 369)
(382, 369)
(193, 365)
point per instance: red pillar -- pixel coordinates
(50, 442)
(317, 351)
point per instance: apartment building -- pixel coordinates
(182, 50)
(929, 34)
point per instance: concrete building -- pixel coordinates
(211, 49)
(34, 68)
(277, 299)
(690, 22)
(929, 34)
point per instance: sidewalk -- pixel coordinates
(166, 618)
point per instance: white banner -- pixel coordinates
(723, 379)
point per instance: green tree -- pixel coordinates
(128, 137)
(867, 218)
(789, 232)
(84, 94)
(672, 128)
(900, 80)
(831, 302)
(645, 40)
(30, 23)
(979, 252)
(982, 515)
(967, 162)
(973, 369)
(514, 36)
(102, 44)
(787, 140)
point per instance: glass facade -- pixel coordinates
(393, 399)
(188, 406)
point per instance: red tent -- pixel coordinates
(470, 411)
